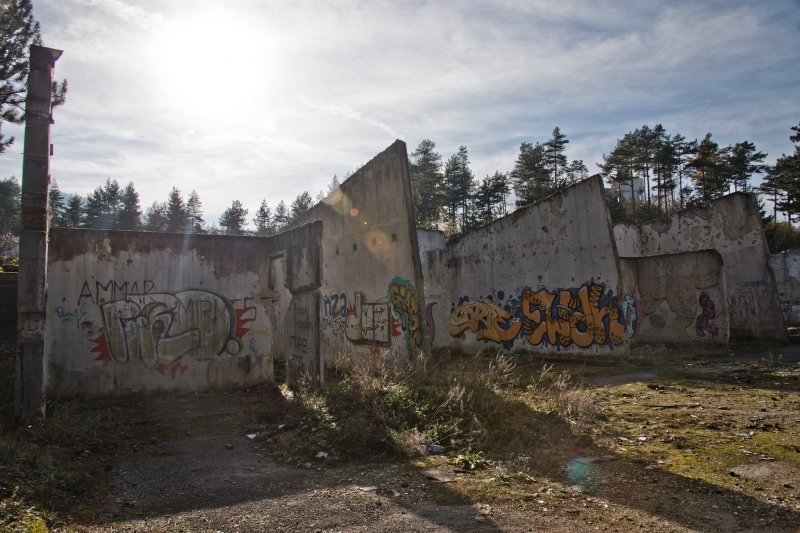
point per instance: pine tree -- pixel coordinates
(103, 206)
(176, 211)
(500, 187)
(73, 214)
(18, 30)
(263, 219)
(783, 180)
(234, 218)
(56, 205)
(334, 184)
(426, 184)
(194, 213)
(575, 172)
(281, 218)
(531, 178)
(556, 157)
(709, 172)
(131, 211)
(156, 217)
(300, 205)
(744, 160)
(484, 201)
(10, 212)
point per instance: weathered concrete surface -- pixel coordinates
(30, 371)
(8, 304)
(732, 227)
(138, 311)
(677, 309)
(544, 279)
(371, 275)
(786, 268)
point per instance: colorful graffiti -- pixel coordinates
(586, 316)
(404, 303)
(486, 319)
(373, 322)
(164, 327)
(704, 322)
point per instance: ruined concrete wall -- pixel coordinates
(677, 309)
(137, 311)
(8, 304)
(786, 268)
(732, 227)
(544, 279)
(372, 284)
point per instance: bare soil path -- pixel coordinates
(683, 444)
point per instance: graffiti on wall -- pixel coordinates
(160, 329)
(301, 342)
(406, 308)
(368, 322)
(374, 322)
(704, 323)
(430, 323)
(360, 320)
(589, 315)
(750, 304)
(486, 319)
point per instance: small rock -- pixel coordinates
(370, 488)
(434, 449)
(229, 446)
(321, 455)
(251, 436)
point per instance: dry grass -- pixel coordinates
(469, 405)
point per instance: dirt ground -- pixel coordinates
(682, 442)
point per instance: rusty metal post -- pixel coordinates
(31, 368)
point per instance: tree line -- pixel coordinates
(111, 206)
(650, 171)
(448, 196)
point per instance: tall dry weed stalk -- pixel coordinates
(560, 394)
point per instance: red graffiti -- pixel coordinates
(100, 347)
(394, 326)
(242, 320)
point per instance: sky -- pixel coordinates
(258, 99)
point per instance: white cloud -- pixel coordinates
(337, 82)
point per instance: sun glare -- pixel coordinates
(213, 62)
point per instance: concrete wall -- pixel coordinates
(544, 279)
(677, 309)
(372, 284)
(732, 227)
(8, 304)
(137, 311)
(786, 267)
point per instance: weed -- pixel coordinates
(384, 405)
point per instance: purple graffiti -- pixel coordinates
(704, 322)
(430, 322)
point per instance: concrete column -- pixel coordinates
(32, 289)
